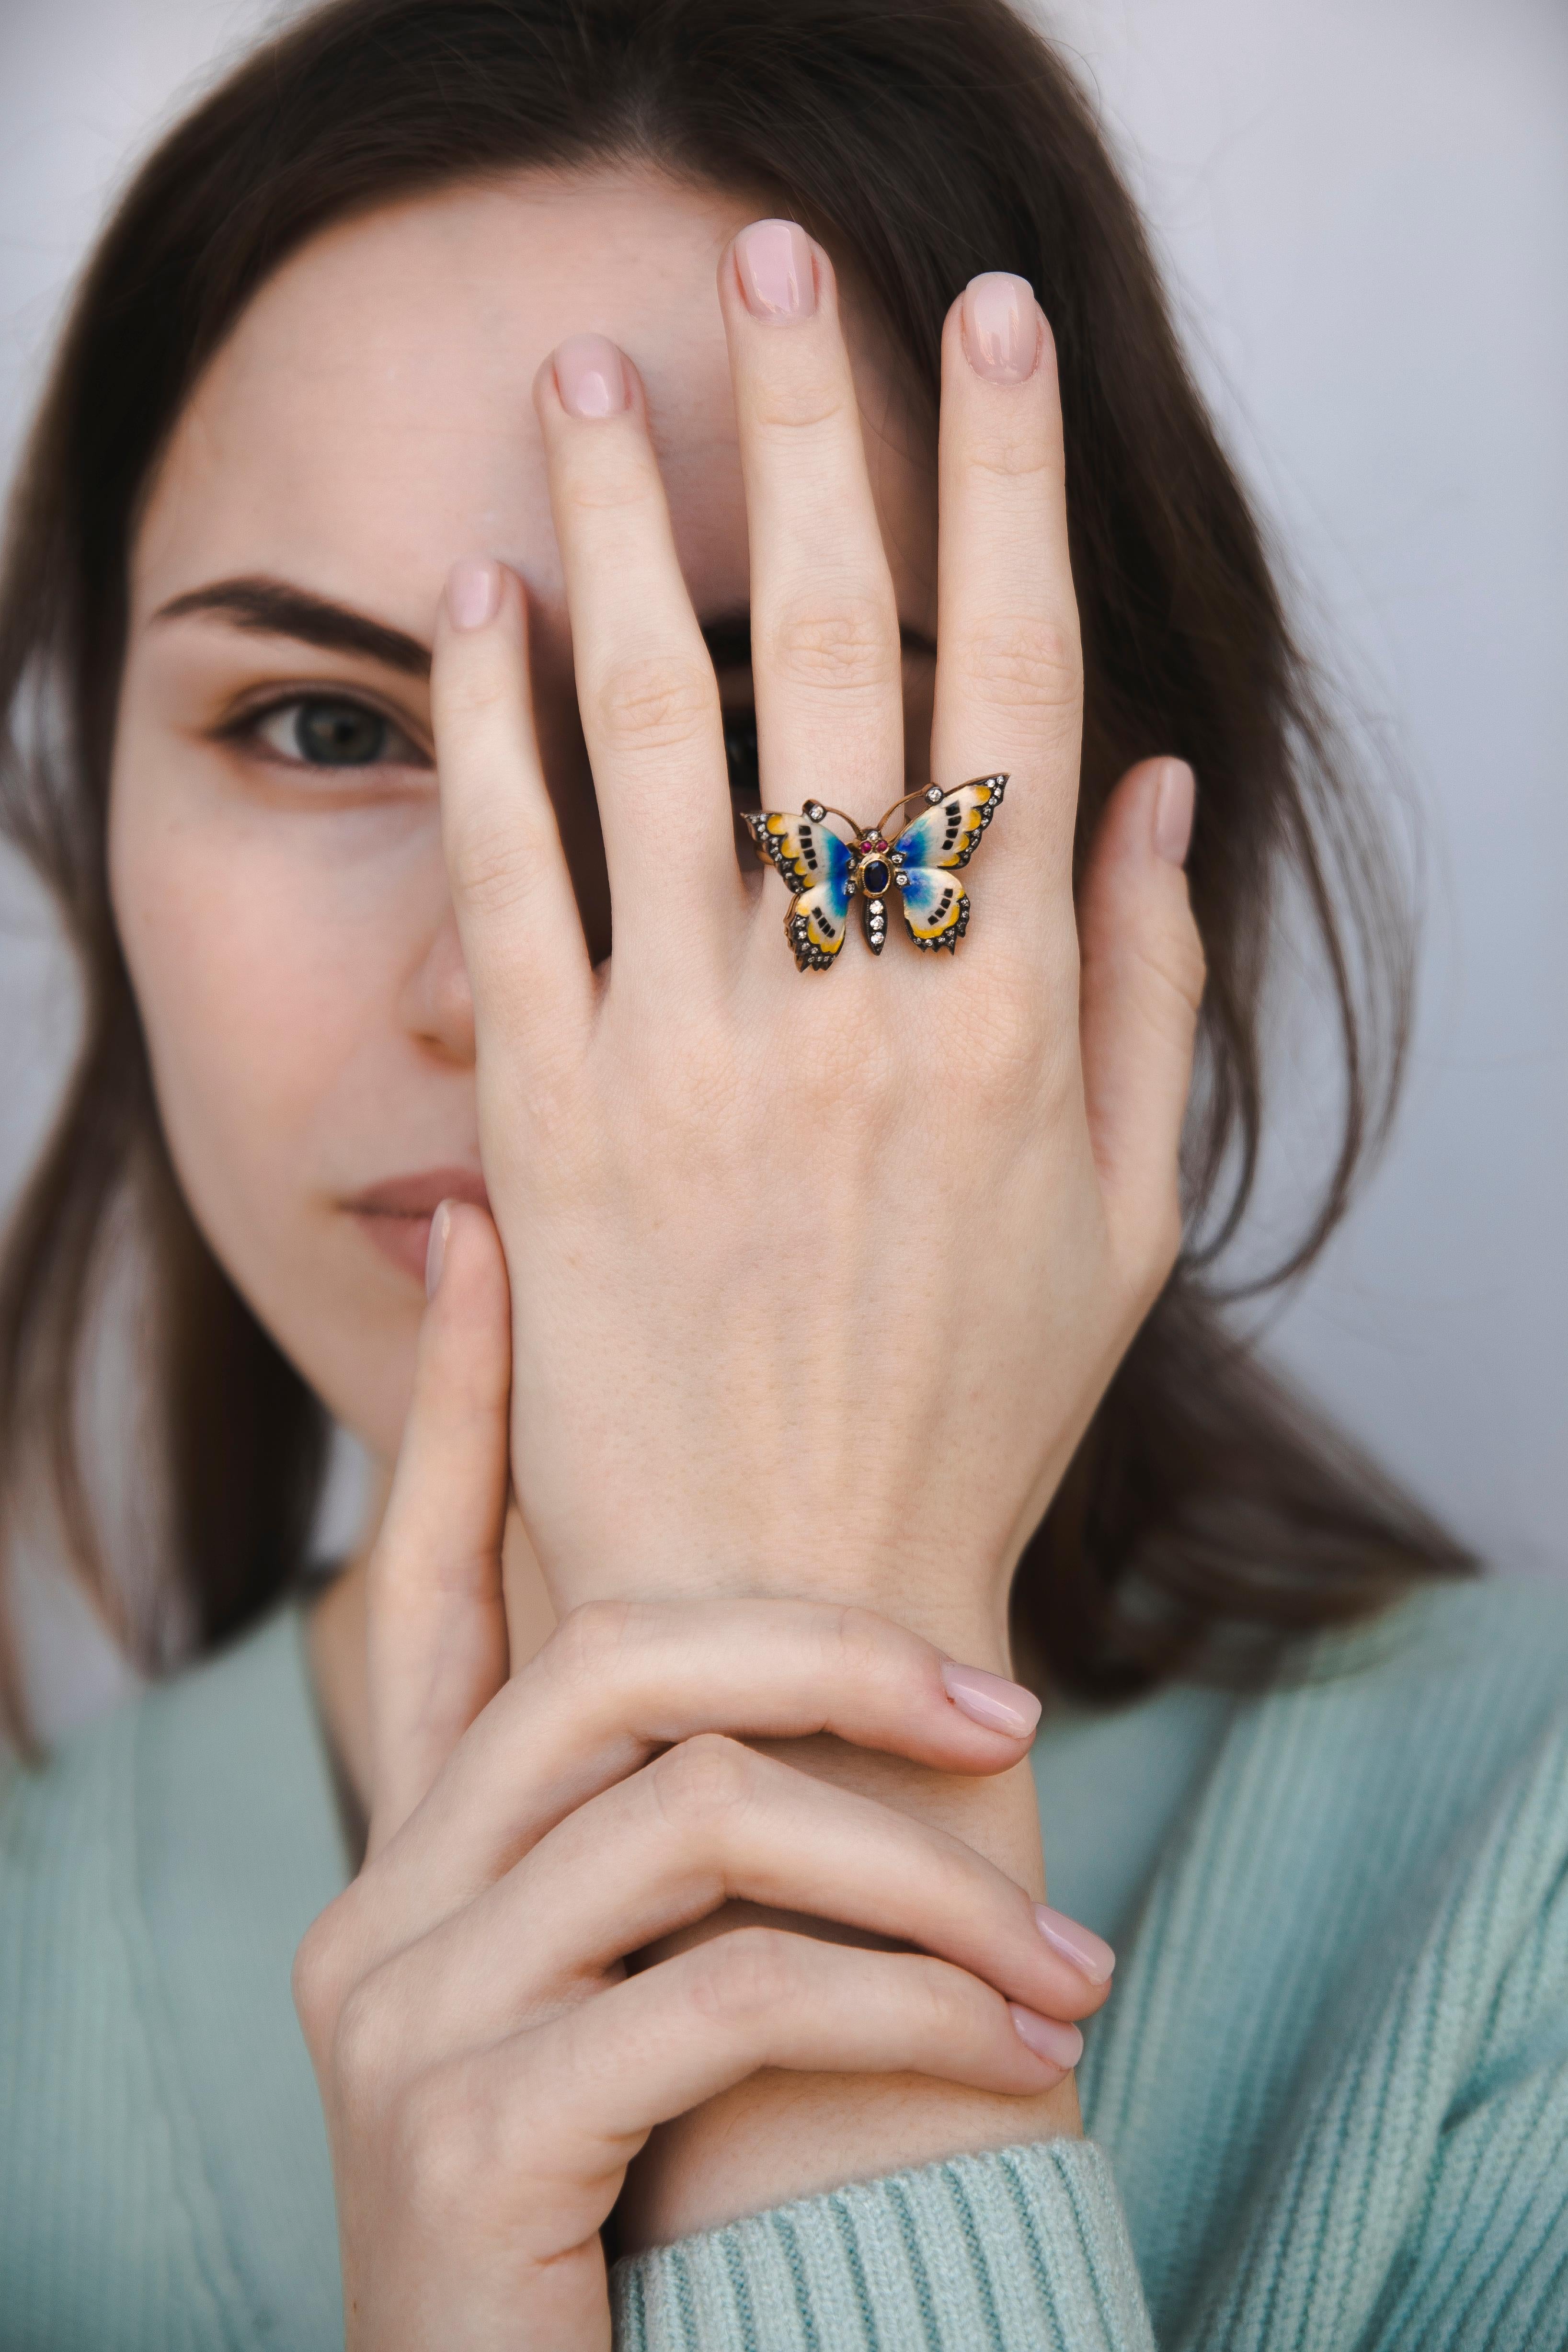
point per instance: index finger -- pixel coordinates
(1009, 683)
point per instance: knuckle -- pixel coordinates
(1025, 661)
(494, 870)
(442, 2140)
(590, 1640)
(701, 1783)
(1023, 454)
(367, 2044)
(939, 2001)
(1011, 1050)
(655, 701)
(864, 1643)
(471, 691)
(804, 399)
(742, 1978)
(1176, 962)
(851, 639)
(322, 1972)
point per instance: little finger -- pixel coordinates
(580, 2095)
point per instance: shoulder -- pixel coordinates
(1465, 1678)
(155, 1875)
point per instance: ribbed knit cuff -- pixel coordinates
(1008, 2252)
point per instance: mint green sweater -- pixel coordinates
(1327, 2103)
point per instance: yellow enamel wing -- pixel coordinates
(828, 860)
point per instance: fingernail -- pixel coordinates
(473, 592)
(1089, 1953)
(991, 1699)
(1175, 799)
(773, 263)
(436, 1250)
(1001, 327)
(1047, 2037)
(591, 377)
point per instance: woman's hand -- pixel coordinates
(816, 1279)
(488, 2066)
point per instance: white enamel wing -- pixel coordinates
(828, 860)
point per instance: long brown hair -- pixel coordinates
(926, 139)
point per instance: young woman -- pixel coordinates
(496, 442)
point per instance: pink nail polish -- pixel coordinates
(1176, 797)
(777, 275)
(1001, 327)
(435, 1249)
(991, 1699)
(1080, 1947)
(1058, 2044)
(591, 377)
(473, 592)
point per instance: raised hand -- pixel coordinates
(816, 1278)
(488, 2067)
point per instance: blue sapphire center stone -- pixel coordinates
(874, 874)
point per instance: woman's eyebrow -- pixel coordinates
(274, 608)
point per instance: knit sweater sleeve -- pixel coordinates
(1014, 2251)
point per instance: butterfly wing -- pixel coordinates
(944, 836)
(947, 831)
(935, 904)
(815, 858)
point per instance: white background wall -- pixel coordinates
(1364, 208)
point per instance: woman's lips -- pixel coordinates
(396, 1215)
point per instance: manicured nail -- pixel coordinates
(1001, 327)
(1174, 796)
(591, 377)
(473, 592)
(991, 1699)
(1047, 2037)
(778, 278)
(435, 1249)
(1080, 1946)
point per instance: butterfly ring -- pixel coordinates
(828, 860)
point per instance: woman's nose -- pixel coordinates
(439, 1003)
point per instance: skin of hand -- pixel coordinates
(486, 2064)
(816, 1280)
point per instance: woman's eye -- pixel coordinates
(741, 752)
(325, 731)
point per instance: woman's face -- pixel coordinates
(275, 835)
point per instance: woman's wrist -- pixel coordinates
(781, 2137)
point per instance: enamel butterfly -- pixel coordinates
(828, 860)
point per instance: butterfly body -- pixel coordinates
(828, 860)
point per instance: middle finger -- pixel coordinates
(826, 655)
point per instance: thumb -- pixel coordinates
(1142, 985)
(436, 1638)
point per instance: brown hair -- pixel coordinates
(928, 140)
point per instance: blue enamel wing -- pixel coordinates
(828, 860)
